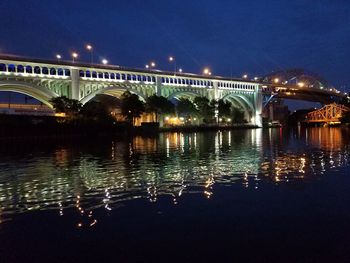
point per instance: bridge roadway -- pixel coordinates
(45, 79)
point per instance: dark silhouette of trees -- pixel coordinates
(159, 105)
(65, 105)
(224, 108)
(185, 108)
(205, 109)
(96, 111)
(131, 106)
(237, 115)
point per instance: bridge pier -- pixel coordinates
(74, 87)
(258, 101)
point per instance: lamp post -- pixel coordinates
(206, 71)
(171, 60)
(58, 57)
(74, 56)
(152, 64)
(104, 61)
(90, 49)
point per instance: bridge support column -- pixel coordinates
(271, 111)
(258, 104)
(216, 98)
(74, 87)
(158, 86)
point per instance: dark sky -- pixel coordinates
(232, 37)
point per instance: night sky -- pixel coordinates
(231, 37)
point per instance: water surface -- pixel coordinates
(247, 195)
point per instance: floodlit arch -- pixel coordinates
(111, 91)
(41, 94)
(243, 102)
(184, 94)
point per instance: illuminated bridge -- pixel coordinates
(298, 84)
(45, 79)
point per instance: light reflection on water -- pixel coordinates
(109, 173)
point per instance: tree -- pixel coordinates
(237, 115)
(205, 109)
(96, 111)
(224, 108)
(186, 108)
(159, 105)
(131, 106)
(65, 105)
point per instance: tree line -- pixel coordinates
(131, 107)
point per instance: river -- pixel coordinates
(260, 195)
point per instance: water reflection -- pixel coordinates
(107, 174)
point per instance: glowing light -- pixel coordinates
(301, 84)
(104, 61)
(147, 66)
(245, 76)
(171, 58)
(58, 56)
(180, 70)
(229, 120)
(276, 80)
(167, 118)
(206, 71)
(181, 118)
(89, 47)
(74, 56)
(153, 64)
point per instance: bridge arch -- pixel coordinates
(41, 94)
(188, 94)
(243, 103)
(112, 91)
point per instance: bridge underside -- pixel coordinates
(308, 96)
(42, 95)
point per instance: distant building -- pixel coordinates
(276, 111)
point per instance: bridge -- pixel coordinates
(329, 114)
(46, 79)
(298, 84)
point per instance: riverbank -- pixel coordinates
(49, 126)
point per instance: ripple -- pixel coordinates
(110, 174)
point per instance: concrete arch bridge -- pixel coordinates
(45, 79)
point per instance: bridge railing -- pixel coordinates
(25, 68)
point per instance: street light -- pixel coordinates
(301, 84)
(91, 50)
(180, 70)
(150, 65)
(206, 71)
(172, 59)
(276, 80)
(74, 56)
(104, 61)
(58, 56)
(245, 76)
